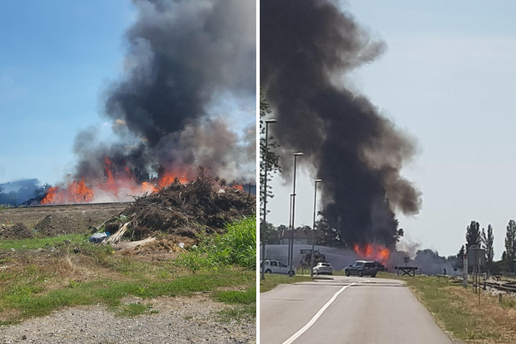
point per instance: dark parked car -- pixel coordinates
(361, 268)
(380, 266)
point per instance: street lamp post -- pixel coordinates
(264, 224)
(313, 229)
(289, 227)
(291, 271)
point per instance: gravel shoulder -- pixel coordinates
(178, 320)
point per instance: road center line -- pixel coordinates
(316, 316)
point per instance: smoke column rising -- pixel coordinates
(183, 58)
(306, 48)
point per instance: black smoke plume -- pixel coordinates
(306, 49)
(183, 57)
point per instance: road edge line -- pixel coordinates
(316, 316)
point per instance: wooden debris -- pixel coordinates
(117, 236)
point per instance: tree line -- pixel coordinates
(485, 240)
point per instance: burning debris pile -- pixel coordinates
(375, 252)
(205, 204)
(185, 61)
(307, 48)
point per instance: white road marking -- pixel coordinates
(316, 316)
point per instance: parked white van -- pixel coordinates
(275, 267)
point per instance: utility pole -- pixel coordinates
(264, 224)
(291, 271)
(313, 229)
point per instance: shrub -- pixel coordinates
(235, 247)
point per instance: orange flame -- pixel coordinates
(50, 196)
(238, 187)
(373, 251)
(169, 178)
(119, 181)
(148, 187)
(76, 192)
(110, 181)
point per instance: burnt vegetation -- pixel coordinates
(206, 204)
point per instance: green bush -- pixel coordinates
(235, 247)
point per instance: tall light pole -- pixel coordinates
(291, 271)
(264, 224)
(289, 227)
(313, 229)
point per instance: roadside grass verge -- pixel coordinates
(458, 312)
(31, 244)
(134, 309)
(272, 281)
(34, 300)
(243, 304)
(35, 283)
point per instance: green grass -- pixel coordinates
(134, 309)
(237, 313)
(235, 247)
(36, 284)
(30, 300)
(31, 244)
(247, 297)
(457, 311)
(272, 281)
(243, 304)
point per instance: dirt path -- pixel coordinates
(80, 216)
(178, 320)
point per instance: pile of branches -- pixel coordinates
(205, 204)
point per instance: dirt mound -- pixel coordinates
(205, 204)
(18, 231)
(55, 225)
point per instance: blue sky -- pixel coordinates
(448, 78)
(55, 59)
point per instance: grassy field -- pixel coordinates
(43, 275)
(457, 310)
(31, 244)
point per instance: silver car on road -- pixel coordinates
(323, 268)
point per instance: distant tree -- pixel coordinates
(330, 236)
(488, 245)
(267, 156)
(271, 234)
(399, 233)
(510, 245)
(460, 257)
(472, 235)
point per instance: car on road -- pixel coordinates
(380, 266)
(361, 268)
(275, 267)
(323, 268)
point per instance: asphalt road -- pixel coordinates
(346, 310)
